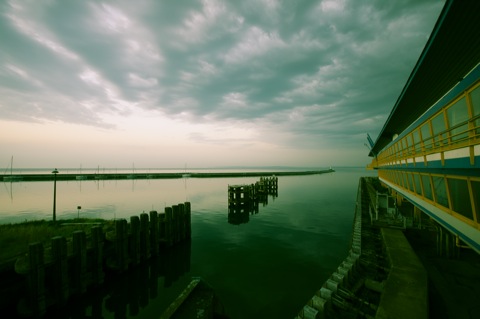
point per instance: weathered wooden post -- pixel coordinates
(161, 226)
(181, 222)
(135, 239)
(79, 273)
(36, 279)
(144, 237)
(188, 220)
(176, 223)
(60, 269)
(154, 233)
(97, 255)
(121, 244)
(168, 226)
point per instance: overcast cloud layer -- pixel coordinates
(162, 83)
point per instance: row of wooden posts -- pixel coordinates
(244, 200)
(55, 273)
(240, 196)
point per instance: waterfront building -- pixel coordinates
(428, 151)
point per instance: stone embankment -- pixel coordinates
(380, 278)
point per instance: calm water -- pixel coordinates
(267, 267)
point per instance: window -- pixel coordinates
(475, 98)
(460, 197)
(411, 182)
(416, 141)
(427, 142)
(458, 114)
(405, 180)
(438, 126)
(440, 191)
(400, 178)
(418, 187)
(405, 146)
(476, 197)
(427, 188)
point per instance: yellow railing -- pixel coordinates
(413, 145)
(442, 191)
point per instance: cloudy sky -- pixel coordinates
(204, 83)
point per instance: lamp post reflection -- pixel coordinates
(54, 172)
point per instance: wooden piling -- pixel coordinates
(181, 217)
(79, 273)
(188, 221)
(36, 279)
(161, 226)
(121, 244)
(97, 255)
(135, 239)
(54, 281)
(168, 226)
(144, 237)
(176, 224)
(154, 233)
(60, 270)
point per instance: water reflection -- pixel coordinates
(127, 295)
(298, 240)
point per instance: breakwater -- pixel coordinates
(52, 273)
(125, 176)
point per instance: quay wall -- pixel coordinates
(381, 277)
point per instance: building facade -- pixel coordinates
(428, 151)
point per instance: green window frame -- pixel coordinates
(460, 197)
(440, 191)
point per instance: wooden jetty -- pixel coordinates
(68, 267)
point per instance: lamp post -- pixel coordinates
(55, 172)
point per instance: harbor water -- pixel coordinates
(267, 266)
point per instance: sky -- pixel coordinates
(168, 84)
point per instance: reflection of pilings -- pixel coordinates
(36, 280)
(127, 294)
(238, 216)
(53, 277)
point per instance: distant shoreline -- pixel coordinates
(163, 175)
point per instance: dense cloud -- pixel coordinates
(313, 69)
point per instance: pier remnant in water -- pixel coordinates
(244, 199)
